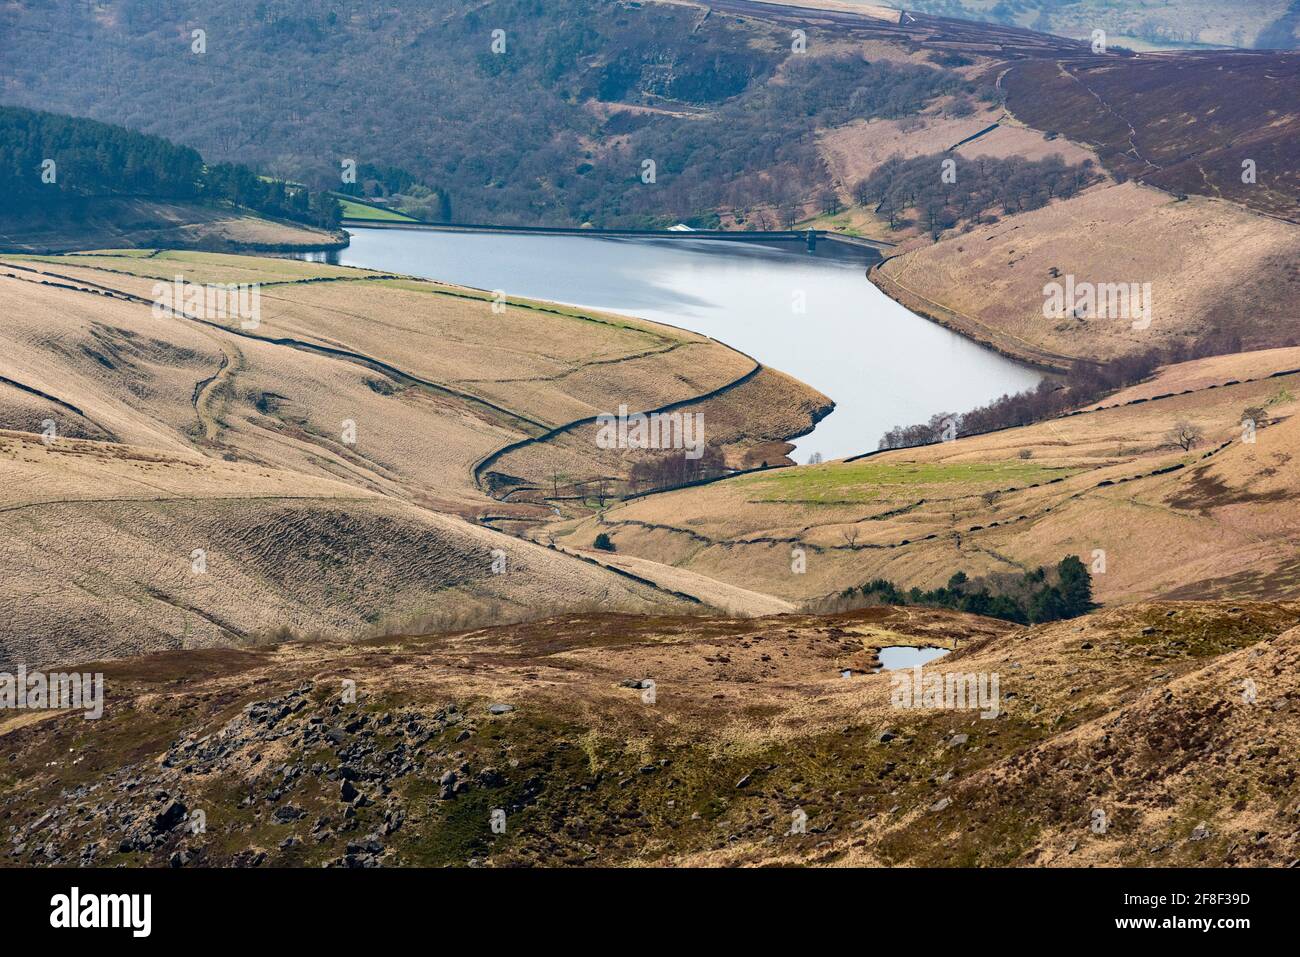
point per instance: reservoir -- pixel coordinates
(814, 316)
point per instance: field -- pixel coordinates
(170, 433)
(1217, 268)
(355, 210)
(117, 222)
(1214, 520)
(871, 481)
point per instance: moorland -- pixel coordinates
(397, 482)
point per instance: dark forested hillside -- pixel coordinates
(551, 119)
(96, 159)
(47, 157)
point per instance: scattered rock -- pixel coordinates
(289, 812)
(169, 817)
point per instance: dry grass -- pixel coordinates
(915, 516)
(239, 442)
(854, 151)
(432, 377)
(98, 542)
(115, 222)
(1211, 371)
(751, 720)
(1212, 266)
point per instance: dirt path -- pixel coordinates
(205, 391)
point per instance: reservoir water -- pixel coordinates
(812, 315)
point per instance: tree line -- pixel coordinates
(48, 157)
(1044, 594)
(1084, 384)
(968, 190)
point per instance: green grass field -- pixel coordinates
(354, 210)
(836, 483)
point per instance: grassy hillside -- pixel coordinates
(1139, 713)
(336, 462)
(110, 222)
(1216, 519)
(354, 210)
(74, 183)
(1220, 270)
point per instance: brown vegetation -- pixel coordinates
(1181, 712)
(245, 443)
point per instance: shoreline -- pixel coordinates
(808, 236)
(1039, 359)
(965, 326)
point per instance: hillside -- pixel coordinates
(336, 462)
(72, 183)
(112, 223)
(610, 85)
(1215, 520)
(207, 553)
(1220, 270)
(1185, 123)
(1141, 713)
(1199, 149)
(1138, 24)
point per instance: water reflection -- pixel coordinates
(812, 315)
(903, 656)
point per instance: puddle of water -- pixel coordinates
(902, 656)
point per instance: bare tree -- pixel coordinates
(1185, 435)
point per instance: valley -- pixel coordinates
(324, 446)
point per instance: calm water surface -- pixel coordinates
(896, 657)
(815, 317)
